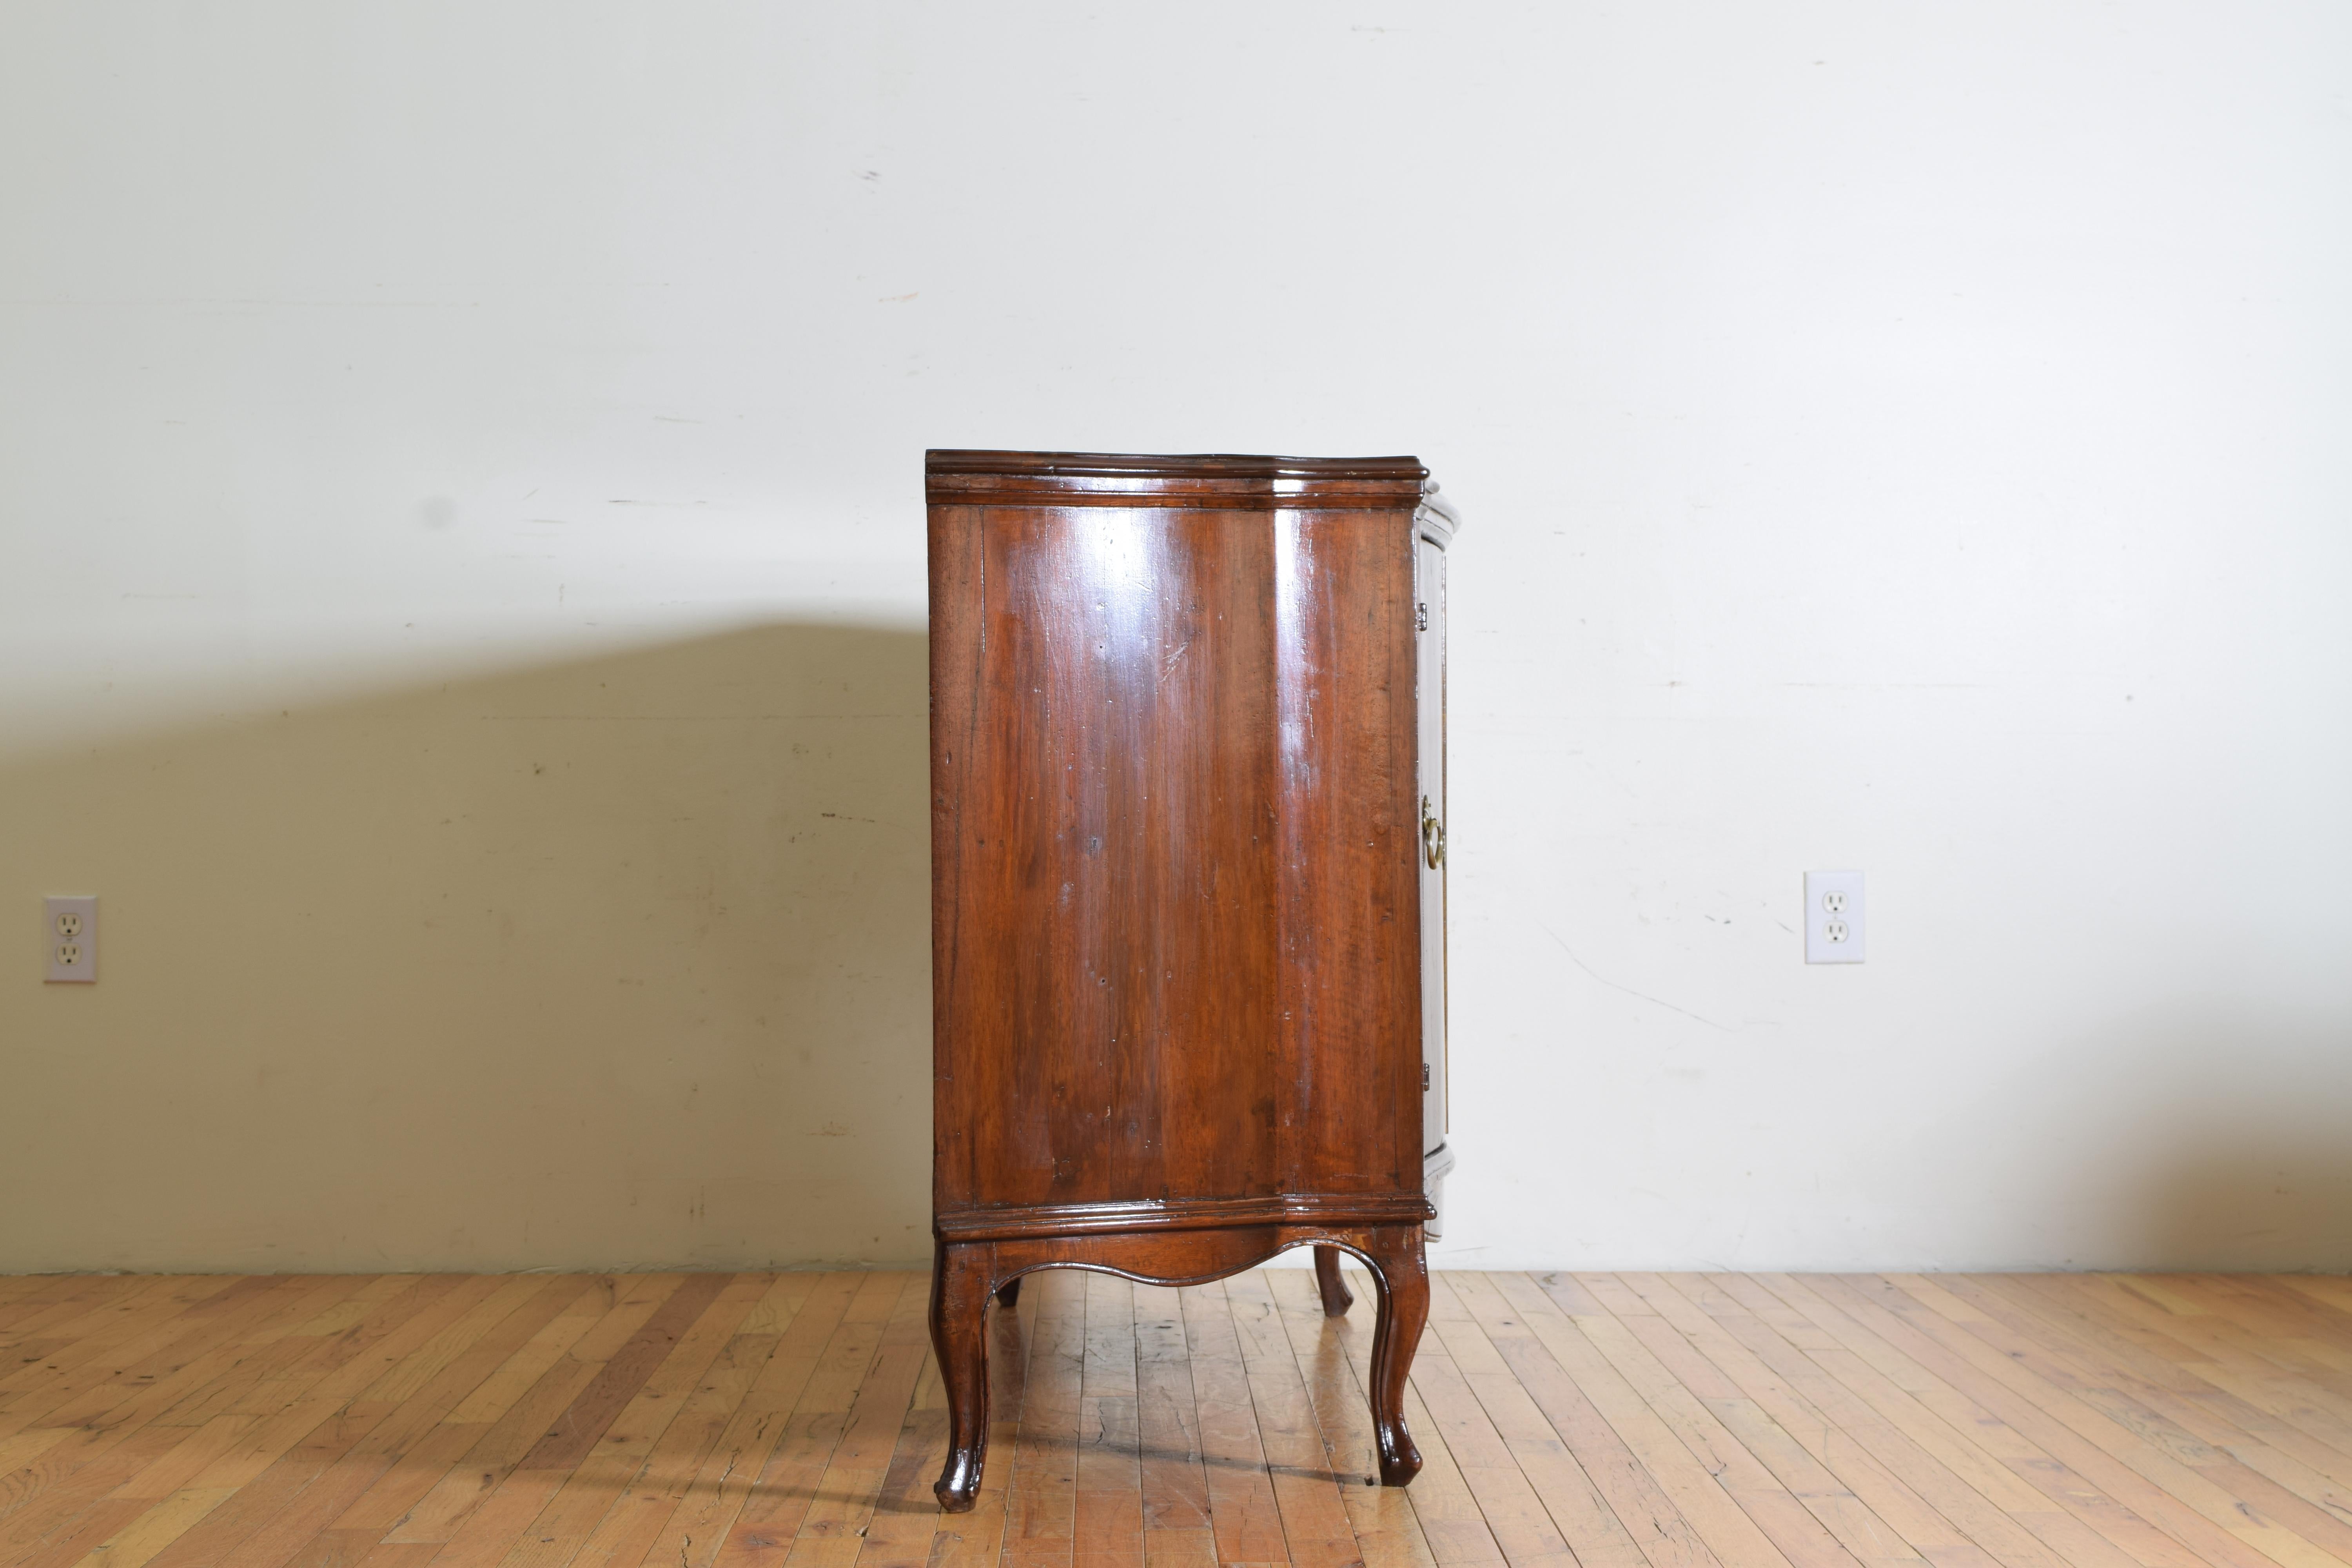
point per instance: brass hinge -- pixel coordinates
(1424, 1078)
(1421, 617)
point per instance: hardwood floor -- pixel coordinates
(1616, 1421)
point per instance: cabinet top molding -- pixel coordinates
(1208, 479)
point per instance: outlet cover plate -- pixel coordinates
(69, 928)
(1833, 917)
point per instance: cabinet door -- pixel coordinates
(1429, 610)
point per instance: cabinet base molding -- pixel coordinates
(968, 1270)
(1017, 1222)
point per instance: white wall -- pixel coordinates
(460, 531)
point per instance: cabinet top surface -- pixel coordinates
(984, 478)
(1203, 465)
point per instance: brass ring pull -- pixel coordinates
(1432, 836)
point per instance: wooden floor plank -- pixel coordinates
(805, 1311)
(83, 1393)
(1107, 1527)
(840, 1513)
(1172, 1480)
(1566, 1321)
(2245, 1478)
(1873, 1514)
(797, 1421)
(26, 1296)
(1593, 1531)
(905, 1522)
(1802, 1508)
(2279, 1318)
(649, 1497)
(2077, 1517)
(71, 1493)
(1244, 1519)
(1453, 1346)
(1942, 1443)
(1334, 1361)
(2168, 1487)
(487, 1382)
(2271, 1442)
(1640, 1504)
(119, 1441)
(2082, 1472)
(92, 1329)
(593, 1483)
(420, 1441)
(482, 1471)
(311, 1459)
(2229, 1360)
(1041, 1504)
(573, 1434)
(764, 1531)
(1306, 1487)
(1936, 1511)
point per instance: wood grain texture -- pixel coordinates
(1175, 915)
(1613, 1421)
(1176, 918)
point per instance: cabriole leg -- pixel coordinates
(959, 1335)
(1337, 1297)
(1402, 1274)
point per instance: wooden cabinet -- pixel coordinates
(1188, 791)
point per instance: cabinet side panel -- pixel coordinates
(1105, 905)
(1429, 557)
(957, 721)
(1350, 834)
(1195, 969)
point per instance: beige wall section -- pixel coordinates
(593, 965)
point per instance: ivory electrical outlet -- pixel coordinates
(1833, 911)
(69, 931)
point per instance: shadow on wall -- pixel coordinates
(2223, 1149)
(2256, 1172)
(2256, 1205)
(618, 963)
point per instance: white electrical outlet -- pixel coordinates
(69, 933)
(1833, 911)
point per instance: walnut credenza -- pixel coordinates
(1187, 885)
